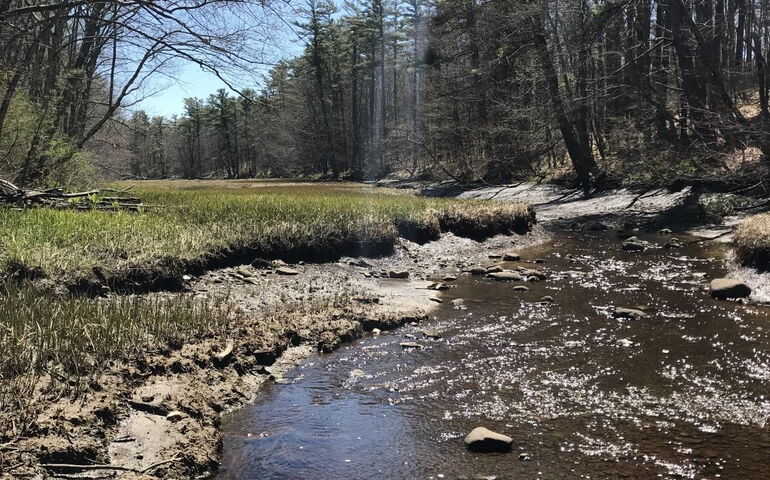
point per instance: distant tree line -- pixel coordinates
(490, 91)
(473, 90)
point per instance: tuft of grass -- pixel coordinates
(752, 241)
(485, 219)
(188, 220)
(78, 334)
(72, 339)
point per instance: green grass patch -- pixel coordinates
(752, 242)
(71, 339)
(77, 334)
(190, 220)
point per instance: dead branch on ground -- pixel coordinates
(101, 199)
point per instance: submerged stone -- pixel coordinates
(633, 244)
(431, 334)
(511, 257)
(628, 313)
(506, 276)
(574, 273)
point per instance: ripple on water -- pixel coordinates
(680, 393)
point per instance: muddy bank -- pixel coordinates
(157, 416)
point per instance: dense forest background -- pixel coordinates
(642, 91)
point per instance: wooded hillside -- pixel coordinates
(645, 90)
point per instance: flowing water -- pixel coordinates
(681, 393)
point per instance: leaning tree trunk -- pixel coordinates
(579, 151)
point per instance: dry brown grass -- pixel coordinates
(752, 241)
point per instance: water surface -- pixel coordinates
(681, 393)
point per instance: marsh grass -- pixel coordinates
(64, 342)
(72, 339)
(752, 242)
(190, 219)
(76, 333)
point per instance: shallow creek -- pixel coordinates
(681, 393)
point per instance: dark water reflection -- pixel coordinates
(681, 393)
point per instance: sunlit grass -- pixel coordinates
(186, 219)
(72, 339)
(752, 241)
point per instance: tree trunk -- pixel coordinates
(579, 152)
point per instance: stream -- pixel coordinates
(680, 393)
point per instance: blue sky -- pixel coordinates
(165, 94)
(193, 82)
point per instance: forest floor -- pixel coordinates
(134, 384)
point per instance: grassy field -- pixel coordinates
(752, 241)
(190, 219)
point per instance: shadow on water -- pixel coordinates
(679, 393)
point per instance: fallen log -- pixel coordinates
(57, 198)
(8, 189)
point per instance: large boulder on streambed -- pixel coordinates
(483, 440)
(724, 288)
